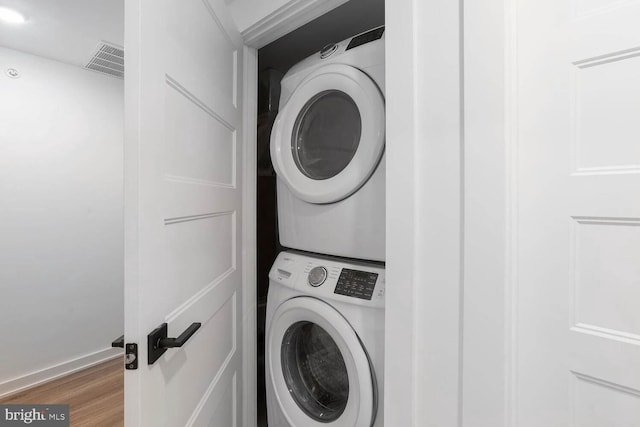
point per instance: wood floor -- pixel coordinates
(95, 395)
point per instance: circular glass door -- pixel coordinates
(326, 134)
(328, 137)
(314, 371)
(319, 370)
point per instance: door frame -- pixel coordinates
(426, 203)
(425, 213)
(490, 214)
(264, 29)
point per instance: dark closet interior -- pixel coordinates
(274, 60)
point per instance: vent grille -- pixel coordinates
(107, 59)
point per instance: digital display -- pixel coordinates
(366, 38)
(356, 283)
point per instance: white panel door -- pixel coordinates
(183, 194)
(577, 259)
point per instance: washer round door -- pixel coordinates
(320, 371)
(329, 136)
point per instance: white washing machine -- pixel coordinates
(324, 343)
(327, 148)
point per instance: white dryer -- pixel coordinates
(327, 148)
(324, 343)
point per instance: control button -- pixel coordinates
(317, 276)
(328, 50)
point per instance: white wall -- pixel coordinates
(61, 230)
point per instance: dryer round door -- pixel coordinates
(321, 373)
(329, 136)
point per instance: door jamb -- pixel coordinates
(249, 242)
(425, 213)
(279, 22)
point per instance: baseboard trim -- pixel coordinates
(42, 376)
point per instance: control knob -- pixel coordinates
(317, 276)
(328, 50)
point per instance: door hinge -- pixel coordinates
(131, 356)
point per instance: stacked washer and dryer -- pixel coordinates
(325, 306)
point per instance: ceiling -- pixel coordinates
(70, 30)
(345, 21)
(65, 30)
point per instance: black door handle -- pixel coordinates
(118, 342)
(179, 342)
(158, 341)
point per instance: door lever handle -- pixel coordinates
(183, 338)
(158, 341)
(118, 342)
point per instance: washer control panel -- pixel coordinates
(356, 283)
(317, 276)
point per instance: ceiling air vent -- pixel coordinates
(107, 59)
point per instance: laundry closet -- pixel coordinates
(337, 253)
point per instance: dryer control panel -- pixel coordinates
(365, 38)
(356, 283)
